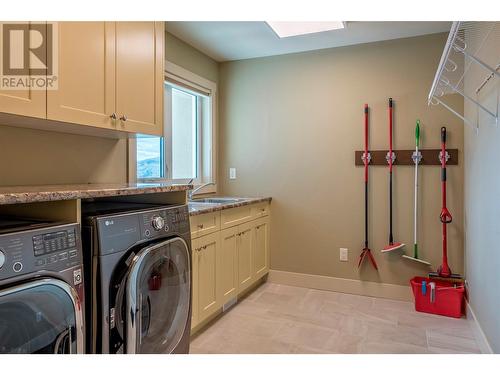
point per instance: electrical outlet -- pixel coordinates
(344, 254)
(232, 173)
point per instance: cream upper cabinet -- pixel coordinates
(207, 251)
(245, 261)
(110, 75)
(140, 76)
(23, 102)
(86, 93)
(229, 263)
(261, 247)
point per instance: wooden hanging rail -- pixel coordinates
(404, 157)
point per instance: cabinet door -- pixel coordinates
(86, 93)
(245, 261)
(27, 102)
(140, 76)
(194, 283)
(208, 253)
(229, 264)
(261, 247)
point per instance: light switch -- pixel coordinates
(344, 254)
(232, 173)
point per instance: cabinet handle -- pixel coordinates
(123, 118)
(200, 226)
(113, 116)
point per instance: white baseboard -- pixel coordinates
(336, 284)
(481, 339)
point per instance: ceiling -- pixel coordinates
(224, 41)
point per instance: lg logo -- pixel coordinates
(29, 58)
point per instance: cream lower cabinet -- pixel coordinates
(227, 262)
(261, 256)
(206, 255)
(245, 250)
(229, 265)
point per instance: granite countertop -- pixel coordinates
(196, 208)
(43, 193)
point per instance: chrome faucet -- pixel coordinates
(194, 191)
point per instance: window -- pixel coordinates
(184, 130)
(149, 157)
(186, 151)
(176, 155)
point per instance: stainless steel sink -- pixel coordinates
(218, 200)
(197, 206)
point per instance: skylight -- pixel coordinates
(287, 29)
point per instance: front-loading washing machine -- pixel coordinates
(138, 258)
(41, 287)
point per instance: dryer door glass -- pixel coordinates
(40, 317)
(158, 297)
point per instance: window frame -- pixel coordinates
(185, 80)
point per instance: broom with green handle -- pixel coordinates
(416, 159)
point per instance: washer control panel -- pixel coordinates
(54, 248)
(164, 221)
(120, 231)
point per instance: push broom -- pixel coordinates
(392, 245)
(366, 160)
(416, 158)
(444, 271)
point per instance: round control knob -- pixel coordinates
(158, 222)
(17, 267)
(2, 258)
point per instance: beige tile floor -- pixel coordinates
(284, 319)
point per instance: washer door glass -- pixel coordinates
(38, 317)
(158, 297)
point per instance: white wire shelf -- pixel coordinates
(470, 67)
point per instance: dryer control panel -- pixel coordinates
(53, 248)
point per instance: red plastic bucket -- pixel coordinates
(448, 297)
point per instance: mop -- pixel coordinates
(390, 159)
(416, 158)
(366, 160)
(444, 271)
